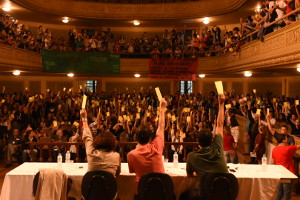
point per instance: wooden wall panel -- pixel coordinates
(237, 87)
(34, 87)
(59, 85)
(12, 86)
(264, 87)
(294, 88)
(121, 86)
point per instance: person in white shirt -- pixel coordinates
(177, 148)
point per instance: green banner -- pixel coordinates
(80, 62)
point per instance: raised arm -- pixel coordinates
(220, 119)
(162, 117)
(271, 129)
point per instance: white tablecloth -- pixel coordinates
(254, 183)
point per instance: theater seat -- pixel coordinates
(98, 185)
(216, 186)
(156, 186)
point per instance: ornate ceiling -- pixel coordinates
(94, 13)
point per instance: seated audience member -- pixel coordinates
(13, 147)
(295, 124)
(100, 149)
(283, 130)
(283, 155)
(26, 153)
(177, 148)
(147, 156)
(74, 138)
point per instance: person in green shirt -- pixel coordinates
(210, 156)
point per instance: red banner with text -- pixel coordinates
(176, 69)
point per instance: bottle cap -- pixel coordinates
(59, 154)
(264, 155)
(175, 152)
(68, 151)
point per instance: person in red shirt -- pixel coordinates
(229, 145)
(283, 155)
(147, 156)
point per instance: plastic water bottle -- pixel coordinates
(264, 162)
(175, 160)
(59, 160)
(68, 157)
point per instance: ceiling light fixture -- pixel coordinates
(248, 74)
(136, 22)
(205, 20)
(137, 75)
(16, 72)
(201, 75)
(70, 74)
(298, 69)
(6, 8)
(258, 10)
(65, 20)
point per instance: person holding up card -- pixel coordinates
(147, 156)
(283, 130)
(210, 157)
(100, 149)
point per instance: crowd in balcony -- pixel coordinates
(55, 117)
(175, 43)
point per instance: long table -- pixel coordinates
(254, 182)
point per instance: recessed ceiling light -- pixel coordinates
(205, 20)
(65, 20)
(6, 8)
(70, 74)
(137, 75)
(201, 75)
(16, 72)
(298, 69)
(136, 22)
(248, 74)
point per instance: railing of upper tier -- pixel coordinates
(244, 38)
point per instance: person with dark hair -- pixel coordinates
(100, 149)
(27, 153)
(283, 155)
(210, 156)
(283, 130)
(147, 156)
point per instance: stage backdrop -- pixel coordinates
(80, 62)
(175, 69)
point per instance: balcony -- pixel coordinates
(276, 56)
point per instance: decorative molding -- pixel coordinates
(16, 57)
(88, 9)
(279, 48)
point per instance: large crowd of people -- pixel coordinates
(175, 43)
(55, 117)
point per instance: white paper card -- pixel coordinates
(219, 87)
(157, 90)
(84, 101)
